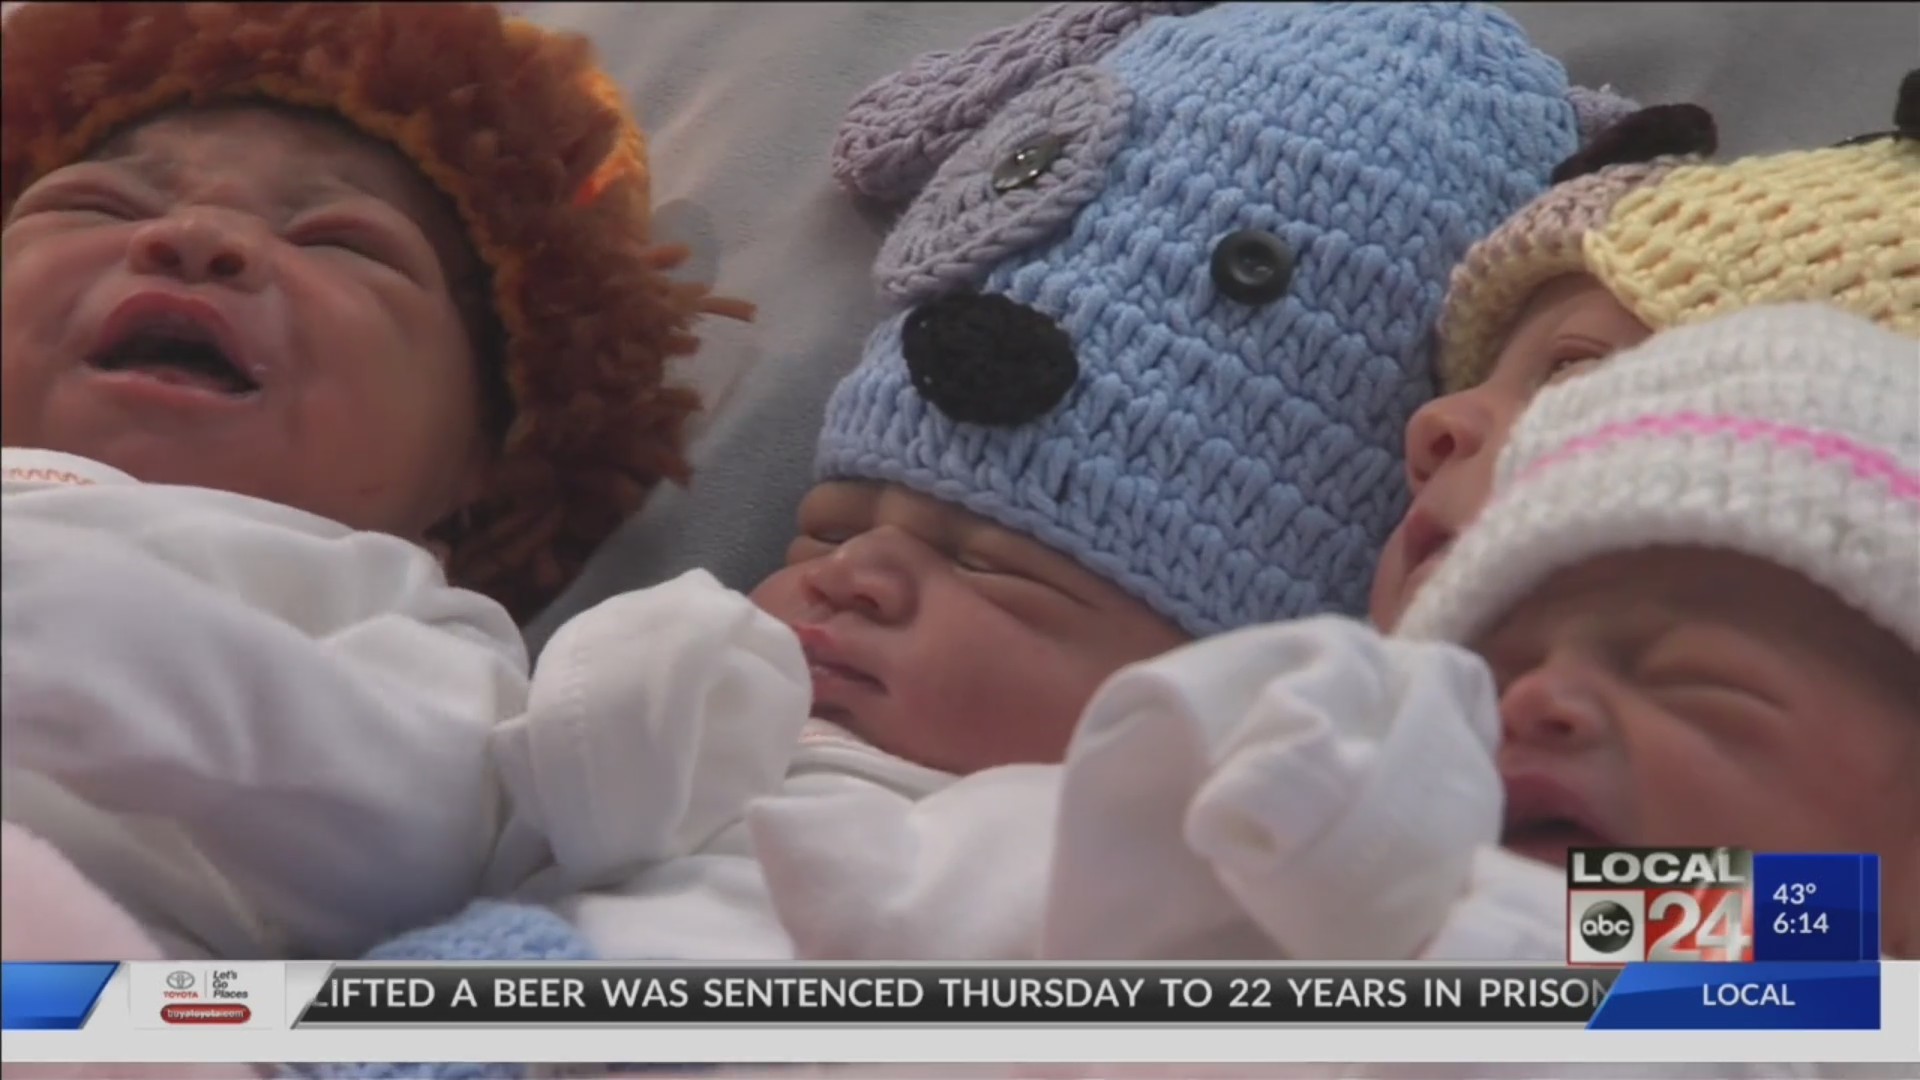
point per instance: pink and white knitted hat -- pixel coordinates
(1790, 433)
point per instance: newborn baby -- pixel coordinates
(925, 643)
(1691, 608)
(275, 483)
(1105, 422)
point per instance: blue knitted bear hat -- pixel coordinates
(1170, 274)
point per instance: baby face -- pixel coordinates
(943, 638)
(1454, 440)
(248, 299)
(1692, 697)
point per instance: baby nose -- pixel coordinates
(1553, 708)
(867, 576)
(987, 359)
(1445, 429)
(198, 249)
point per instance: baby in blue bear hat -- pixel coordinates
(1168, 278)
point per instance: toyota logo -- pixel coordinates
(180, 980)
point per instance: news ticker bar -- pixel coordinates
(277, 996)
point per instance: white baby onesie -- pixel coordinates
(261, 732)
(657, 719)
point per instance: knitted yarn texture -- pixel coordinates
(1681, 240)
(1790, 433)
(1168, 294)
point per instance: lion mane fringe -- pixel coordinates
(531, 145)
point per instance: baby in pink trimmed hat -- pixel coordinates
(1689, 616)
(1263, 781)
(1642, 234)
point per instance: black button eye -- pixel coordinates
(1025, 166)
(1252, 267)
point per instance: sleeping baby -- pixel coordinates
(1687, 617)
(1072, 451)
(1331, 721)
(1641, 233)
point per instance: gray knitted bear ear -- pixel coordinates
(896, 135)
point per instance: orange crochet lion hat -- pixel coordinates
(533, 148)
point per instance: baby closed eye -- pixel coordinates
(364, 243)
(1714, 693)
(350, 244)
(1571, 356)
(98, 206)
(1718, 689)
(975, 564)
(372, 232)
(87, 199)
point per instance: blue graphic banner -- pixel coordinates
(1742, 997)
(50, 997)
(1816, 907)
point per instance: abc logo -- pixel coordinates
(1606, 927)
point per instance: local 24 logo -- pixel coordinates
(1669, 905)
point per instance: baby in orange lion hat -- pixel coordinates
(334, 341)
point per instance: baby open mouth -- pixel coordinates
(178, 352)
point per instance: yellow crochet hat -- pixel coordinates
(534, 148)
(1678, 240)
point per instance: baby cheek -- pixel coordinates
(948, 671)
(1003, 702)
(1685, 797)
(1696, 800)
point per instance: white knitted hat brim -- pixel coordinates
(1634, 496)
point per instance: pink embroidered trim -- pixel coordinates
(1865, 462)
(26, 475)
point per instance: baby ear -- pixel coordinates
(896, 135)
(1657, 131)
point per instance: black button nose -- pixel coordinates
(987, 359)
